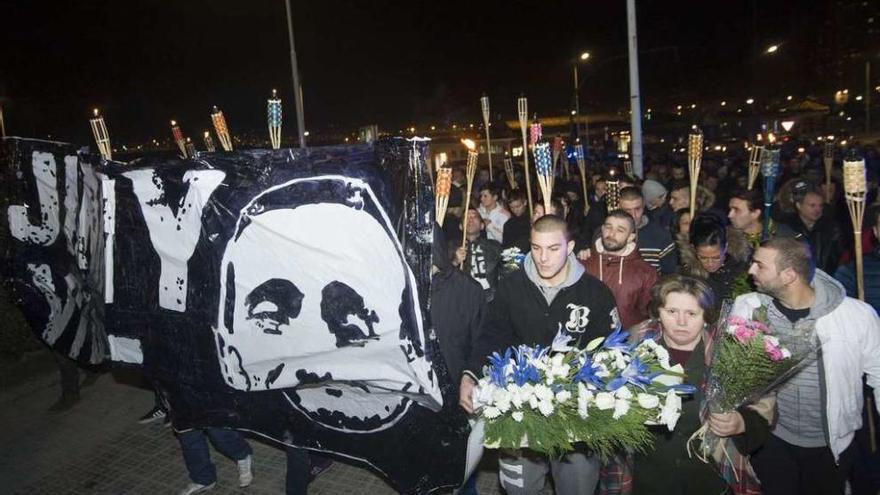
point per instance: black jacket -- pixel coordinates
(826, 241)
(520, 315)
(516, 233)
(457, 311)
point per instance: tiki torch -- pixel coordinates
(855, 190)
(441, 190)
(470, 173)
(755, 155)
(274, 115)
(222, 129)
(508, 170)
(770, 171)
(523, 109)
(190, 147)
(178, 138)
(544, 169)
(612, 191)
(828, 161)
(582, 167)
(209, 143)
(695, 158)
(484, 104)
(102, 137)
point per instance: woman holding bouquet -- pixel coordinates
(682, 310)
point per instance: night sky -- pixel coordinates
(396, 64)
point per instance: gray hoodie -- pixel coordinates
(575, 271)
(801, 400)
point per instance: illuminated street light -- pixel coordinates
(788, 97)
(771, 49)
(750, 101)
(723, 103)
(584, 56)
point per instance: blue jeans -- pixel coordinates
(197, 457)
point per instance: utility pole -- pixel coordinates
(867, 97)
(635, 98)
(297, 88)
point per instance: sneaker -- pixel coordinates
(154, 414)
(245, 471)
(196, 488)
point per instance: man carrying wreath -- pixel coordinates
(552, 291)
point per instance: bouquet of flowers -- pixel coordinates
(547, 399)
(747, 363)
(512, 259)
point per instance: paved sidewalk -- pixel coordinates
(99, 448)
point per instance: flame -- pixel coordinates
(274, 93)
(173, 123)
(207, 133)
(470, 144)
(95, 112)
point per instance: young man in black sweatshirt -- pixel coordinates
(552, 292)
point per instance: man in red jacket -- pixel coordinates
(619, 265)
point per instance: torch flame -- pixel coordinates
(96, 112)
(207, 133)
(469, 143)
(173, 122)
(274, 93)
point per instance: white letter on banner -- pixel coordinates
(59, 313)
(89, 229)
(71, 200)
(108, 191)
(174, 235)
(46, 231)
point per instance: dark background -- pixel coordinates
(397, 64)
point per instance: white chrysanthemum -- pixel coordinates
(546, 407)
(785, 353)
(563, 396)
(517, 416)
(491, 412)
(604, 400)
(621, 407)
(533, 402)
(671, 410)
(648, 401)
(543, 393)
(623, 393)
(662, 356)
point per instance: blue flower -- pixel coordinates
(635, 373)
(587, 372)
(497, 364)
(523, 369)
(617, 340)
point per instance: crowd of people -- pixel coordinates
(639, 259)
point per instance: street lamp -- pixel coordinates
(771, 49)
(583, 57)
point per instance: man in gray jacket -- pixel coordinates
(819, 408)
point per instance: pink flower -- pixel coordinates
(757, 325)
(737, 321)
(743, 334)
(773, 352)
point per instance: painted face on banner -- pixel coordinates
(316, 299)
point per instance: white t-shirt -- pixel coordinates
(495, 221)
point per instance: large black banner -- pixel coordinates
(282, 292)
